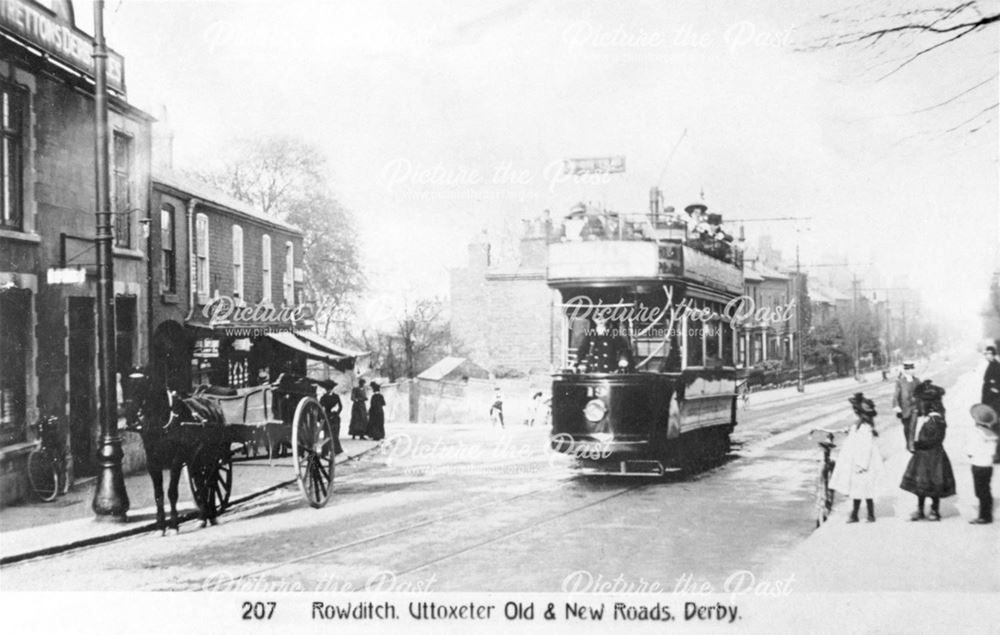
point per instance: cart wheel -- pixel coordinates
(212, 474)
(312, 444)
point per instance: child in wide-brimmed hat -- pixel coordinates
(929, 473)
(982, 444)
(859, 465)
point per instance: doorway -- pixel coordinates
(82, 386)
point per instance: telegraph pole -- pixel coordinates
(800, 384)
(857, 339)
(110, 498)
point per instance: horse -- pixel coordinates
(157, 415)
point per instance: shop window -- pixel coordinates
(265, 260)
(237, 262)
(201, 257)
(168, 260)
(13, 106)
(14, 330)
(122, 183)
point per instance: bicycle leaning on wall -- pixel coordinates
(47, 474)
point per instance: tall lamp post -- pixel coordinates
(110, 498)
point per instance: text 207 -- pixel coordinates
(258, 610)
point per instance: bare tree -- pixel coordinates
(420, 336)
(901, 35)
(424, 333)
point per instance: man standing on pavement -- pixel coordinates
(991, 389)
(904, 403)
(991, 380)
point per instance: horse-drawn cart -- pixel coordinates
(204, 430)
(286, 413)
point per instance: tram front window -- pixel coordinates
(605, 349)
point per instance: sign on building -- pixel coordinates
(597, 165)
(51, 31)
(66, 275)
(206, 347)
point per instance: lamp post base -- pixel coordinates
(110, 498)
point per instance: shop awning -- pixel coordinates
(320, 342)
(295, 343)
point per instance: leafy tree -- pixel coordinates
(285, 177)
(825, 346)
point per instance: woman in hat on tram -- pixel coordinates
(859, 465)
(929, 473)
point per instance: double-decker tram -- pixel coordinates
(648, 374)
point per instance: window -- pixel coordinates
(727, 343)
(125, 332)
(265, 266)
(201, 256)
(695, 331)
(713, 332)
(122, 184)
(237, 262)
(168, 262)
(12, 127)
(289, 274)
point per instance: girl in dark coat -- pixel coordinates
(376, 414)
(929, 472)
(332, 406)
(359, 411)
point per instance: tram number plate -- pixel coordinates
(597, 391)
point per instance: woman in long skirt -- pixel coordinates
(376, 414)
(929, 473)
(359, 411)
(330, 402)
(859, 465)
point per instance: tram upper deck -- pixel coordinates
(609, 249)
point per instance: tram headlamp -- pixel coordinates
(595, 410)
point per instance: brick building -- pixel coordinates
(48, 337)
(208, 247)
(504, 316)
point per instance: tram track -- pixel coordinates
(446, 517)
(830, 399)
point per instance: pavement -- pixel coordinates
(895, 554)
(34, 529)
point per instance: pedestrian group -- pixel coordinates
(928, 475)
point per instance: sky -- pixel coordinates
(443, 119)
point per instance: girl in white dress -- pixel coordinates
(859, 465)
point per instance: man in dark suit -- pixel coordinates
(991, 380)
(603, 351)
(991, 389)
(904, 402)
